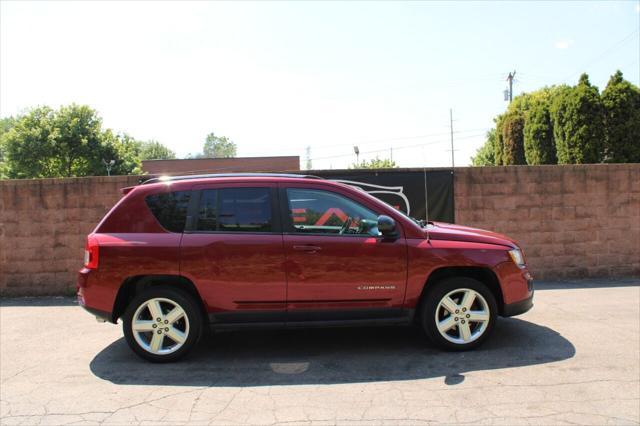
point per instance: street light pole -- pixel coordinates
(108, 164)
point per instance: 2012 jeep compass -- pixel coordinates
(229, 251)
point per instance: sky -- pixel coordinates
(281, 78)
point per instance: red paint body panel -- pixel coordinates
(267, 272)
(128, 255)
(234, 271)
(340, 267)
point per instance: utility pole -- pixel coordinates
(451, 126)
(510, 78)
(391, 153)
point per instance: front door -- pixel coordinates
(338, 266)
(232, 248)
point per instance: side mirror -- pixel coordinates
(386, 226)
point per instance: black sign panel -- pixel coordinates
(405, 189)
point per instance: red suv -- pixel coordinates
(256, 250)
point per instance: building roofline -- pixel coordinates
(223, 158)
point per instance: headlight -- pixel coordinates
(517, 257)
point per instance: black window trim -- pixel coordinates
(287, 223)
(194, 208)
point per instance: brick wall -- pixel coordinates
(572, 221)
(43, 225)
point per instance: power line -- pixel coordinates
(395, 139)
(370, 142)
(398, 148)
(603, 54)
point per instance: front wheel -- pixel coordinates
(162, 324)
(459, 313)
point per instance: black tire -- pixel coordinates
(177, 297)
(433, 298)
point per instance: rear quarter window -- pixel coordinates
(170, 209)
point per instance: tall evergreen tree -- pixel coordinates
(578, 116)
(539, 146)
(513, 139)
(621, 101)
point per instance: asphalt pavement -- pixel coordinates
(573, 359)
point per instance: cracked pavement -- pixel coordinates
(573, 359)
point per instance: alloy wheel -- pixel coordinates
(160, 326)
(462, 316)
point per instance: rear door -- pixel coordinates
(338, 266)
(232, 248)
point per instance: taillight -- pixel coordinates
(91, 253)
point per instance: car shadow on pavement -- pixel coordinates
(330, 356)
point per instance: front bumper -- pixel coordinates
(520, 307)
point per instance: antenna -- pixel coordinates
(426, 194)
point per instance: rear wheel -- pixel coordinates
(459, 313)
(162, 324)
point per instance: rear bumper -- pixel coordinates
(106, 316)
(87, 298)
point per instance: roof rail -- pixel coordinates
(225, 175)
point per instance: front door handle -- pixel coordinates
(307, 248)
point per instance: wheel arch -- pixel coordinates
(135, 284)
(483, 274)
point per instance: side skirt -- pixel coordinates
(312, 319)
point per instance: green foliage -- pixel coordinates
(218, 147)
(568, 125)
(578, 117)
(6, 124)
(485, 155)
(154, 150)
(65, 142)
(621, 102)
(539, 145)
(513, 138)
(498, 145)
(376, 163)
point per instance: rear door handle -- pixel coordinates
(307, 248)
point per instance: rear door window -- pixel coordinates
(235, 210)
(170, 209)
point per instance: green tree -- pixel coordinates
(66, 142)
(124, 150)
(621, 102)
(154, 150)
(539, 145)
(376, 163)
(218, 147)
(6, 124)
(485, 155)
(513, 138)
(577, 115)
